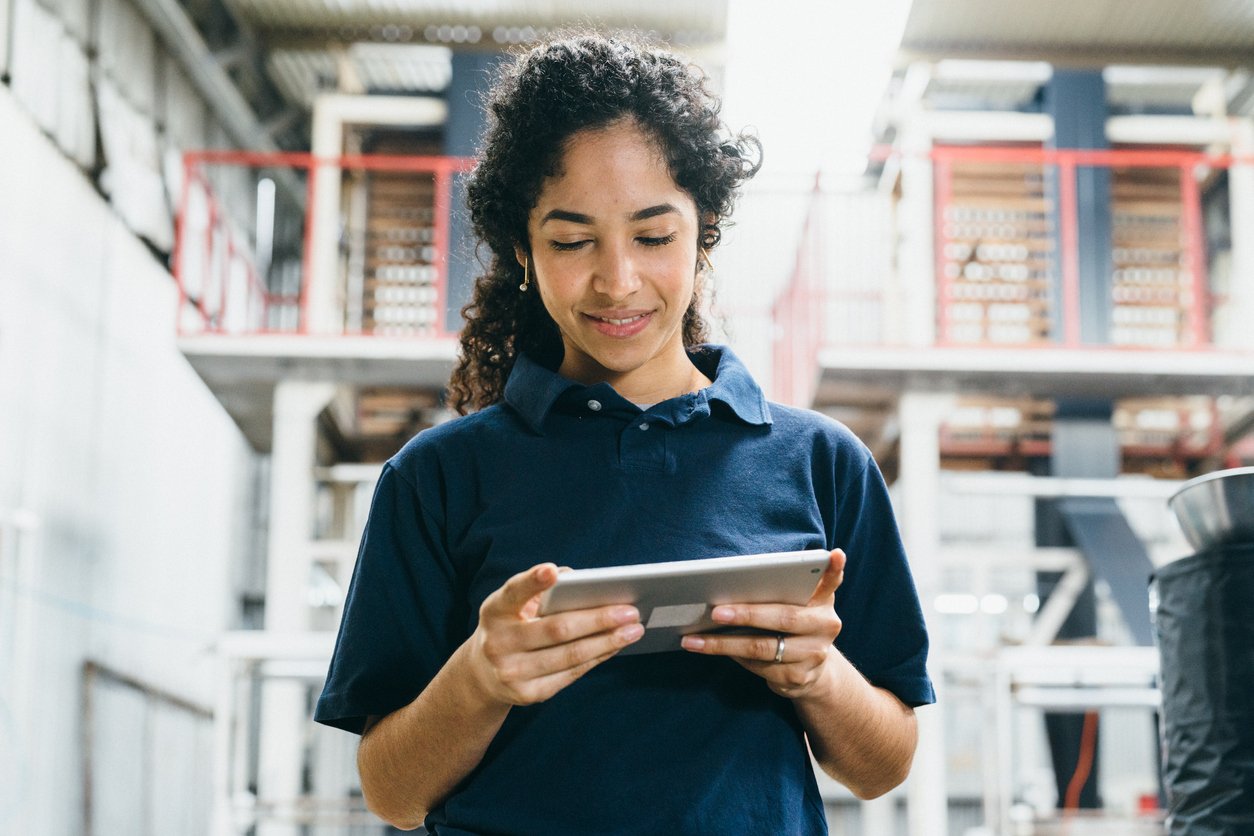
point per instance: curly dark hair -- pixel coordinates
(539, 101)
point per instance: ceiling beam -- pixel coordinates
(332, 37)
(1094, 55)
(225, 100)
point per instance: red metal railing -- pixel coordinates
(806, 310)
(1064, 164)
(221, 289)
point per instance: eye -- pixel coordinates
(566, 246)
(657, 242)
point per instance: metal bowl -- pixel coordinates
(1216, 509)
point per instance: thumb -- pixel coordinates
(831, 578)
(516, 592)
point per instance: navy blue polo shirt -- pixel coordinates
(577, 475)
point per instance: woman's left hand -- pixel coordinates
(805, 634)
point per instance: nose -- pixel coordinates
(615, 273)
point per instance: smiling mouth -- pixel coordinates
(620, 327)
(626, 321)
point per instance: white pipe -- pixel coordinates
(987, 126)
(349, 473)
(331, 113)
(223, 739)
(1058, 606)
(910, 301)
(998, 485)
(1168, 130)
(993, 72)
(1240, 305)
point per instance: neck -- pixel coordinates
(656, 381)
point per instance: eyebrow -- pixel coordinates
(580, 218)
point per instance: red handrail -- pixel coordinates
(443, 169)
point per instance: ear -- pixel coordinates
(520, 255)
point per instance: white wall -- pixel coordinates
(140, 481)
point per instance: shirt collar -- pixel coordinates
(533, 389)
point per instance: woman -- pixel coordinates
(605, 433)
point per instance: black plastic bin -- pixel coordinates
(1204, 626)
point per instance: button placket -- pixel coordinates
(642, 445)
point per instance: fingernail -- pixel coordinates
(723, 614)
(631, 632)
(693, 642)
(626, 614)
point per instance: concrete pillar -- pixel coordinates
(1241, 281)
(921, 415)
(324, 303)
(283, 704)
(916, 250)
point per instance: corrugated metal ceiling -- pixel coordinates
(398, 68)
(404, 45)
(474, 21)
(1211, 32)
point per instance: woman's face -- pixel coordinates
(613, 254)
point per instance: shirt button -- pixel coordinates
(594, 405)
(644, 425)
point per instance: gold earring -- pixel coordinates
(705, 256)
(526, 282)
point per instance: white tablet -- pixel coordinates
(675, 598)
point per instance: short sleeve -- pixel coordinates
(883, 632)
(401, 617)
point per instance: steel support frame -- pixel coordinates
(1057, 678)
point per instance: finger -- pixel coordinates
(756, 648)
(816, 619)
(564, 627)
(545, 687)
(520, 589)
(547, 661)
(831, 579)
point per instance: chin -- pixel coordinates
(615, 362)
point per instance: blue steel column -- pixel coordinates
(1083, 441)
(472, 76)
(1076, 99)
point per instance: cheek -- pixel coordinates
(558, 292)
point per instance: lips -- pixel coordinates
(620, 323)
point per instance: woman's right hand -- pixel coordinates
(520, 658)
